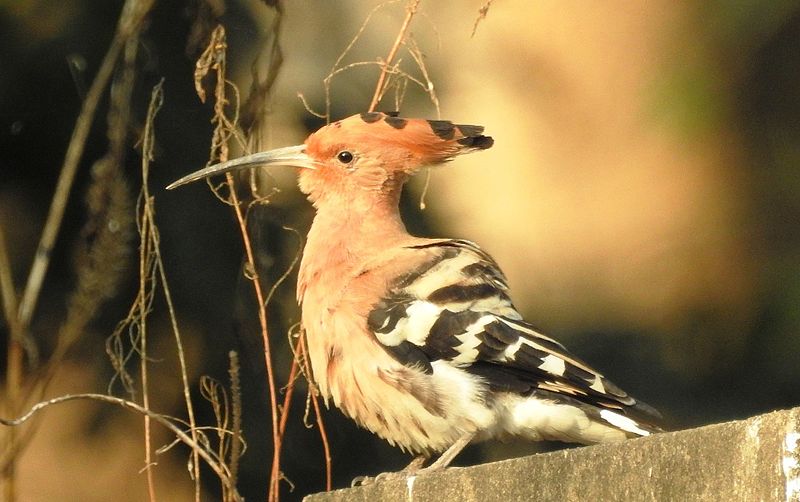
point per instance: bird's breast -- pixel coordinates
(417, 411)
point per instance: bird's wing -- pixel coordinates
(454, 307)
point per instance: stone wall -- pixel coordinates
(757, 459)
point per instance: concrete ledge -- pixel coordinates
(748, 460)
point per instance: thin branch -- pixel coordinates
(214, 392)
(391, 72)
(156, 101)
(236, 415)
(481, 15)
(312, 391)
(411, 9)
(416, 54)
(335, 68)
(118, 124)
(14, 359)
(262, 320)
(10, 305)
(9, 296)
(145, 254)
(213, 58)
(214, 463)
(308, 108)
(287, 398)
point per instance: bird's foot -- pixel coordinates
(415, 467)
(361, 481)
(411, 469)
(384, 476)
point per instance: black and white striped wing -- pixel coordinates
(455, 307)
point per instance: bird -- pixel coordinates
(416, 338)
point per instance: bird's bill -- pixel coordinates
(294, 156)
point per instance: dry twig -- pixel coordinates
(236, 416)
(213, 59)
(391, 72)
(481, 15)
(216, 464)
(380, 88)
(149, 213)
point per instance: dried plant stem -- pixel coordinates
(187, 397)
(481, 15)
(411, 9)
(214, 58)
(133, 14)
(275, 473)
(13, 380)
(118, 118)
(14, 360)
(287, 398)
(8, 294)
(236, 415)
(143, 305)
(312, 391)
(214, 463)
(156, 100)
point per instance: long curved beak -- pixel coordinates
(294, 156)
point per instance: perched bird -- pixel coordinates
(417, 339)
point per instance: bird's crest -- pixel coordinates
(427, 141)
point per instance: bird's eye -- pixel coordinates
(344, 157)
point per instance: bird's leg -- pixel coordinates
(449, 454)
(415, 467)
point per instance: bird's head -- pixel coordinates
(367, 153)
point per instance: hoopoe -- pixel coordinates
(417, 339)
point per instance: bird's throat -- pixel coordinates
(342, 236)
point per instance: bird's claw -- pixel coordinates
(361, 481)
(384, 476)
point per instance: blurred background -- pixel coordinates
(642, 197)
